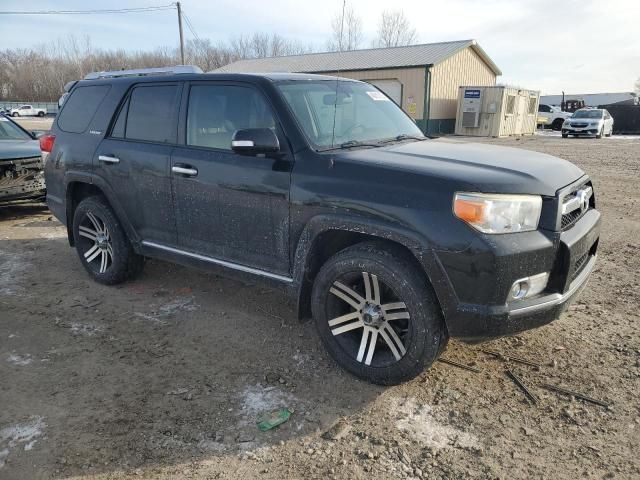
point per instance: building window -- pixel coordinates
(532, 105)
(511, 104)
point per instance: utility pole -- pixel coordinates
(341, 43)
(181, 37)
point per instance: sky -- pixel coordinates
(579, 46)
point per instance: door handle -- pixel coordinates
(108, 159)
(188, 171)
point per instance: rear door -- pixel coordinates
(231, 207)
(134, 159)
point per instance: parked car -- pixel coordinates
(554, 115)
(392, 242)
(594, 122)
(28, 111)
(21, 173)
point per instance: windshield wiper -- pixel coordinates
(351, 144)
(401, 137)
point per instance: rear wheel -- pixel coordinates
(376, 313)
(41, 114)
(101, 243)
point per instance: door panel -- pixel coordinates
(135, 159)
(141, 183)
(236, 208)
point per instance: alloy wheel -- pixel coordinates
(97, 246)
(367, 318)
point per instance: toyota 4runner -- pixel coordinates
(392, 242)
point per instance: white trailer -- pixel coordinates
(496, 111)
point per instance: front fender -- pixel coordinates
(419, 246)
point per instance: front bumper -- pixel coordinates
(573, 258)
(588, 131)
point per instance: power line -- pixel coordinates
(170, 6)
(190, 26)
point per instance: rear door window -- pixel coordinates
(80, 108)
(152, 113)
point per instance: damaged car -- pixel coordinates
(21, 169)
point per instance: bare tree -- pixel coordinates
(395, 30)
(40, 73)
(637, 87)
(346, 29)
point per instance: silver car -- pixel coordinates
(589, 121)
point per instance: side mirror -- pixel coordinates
(252, 141)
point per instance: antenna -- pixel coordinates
(341, 43)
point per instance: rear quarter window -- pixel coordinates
(80, 108)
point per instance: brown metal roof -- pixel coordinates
(373, 58)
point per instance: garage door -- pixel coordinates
(393, 88)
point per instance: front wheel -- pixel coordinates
(599, 134)
(557, 124)
(15, 114)
(101, 243)
(376, 313)
(565, 135)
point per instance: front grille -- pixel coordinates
(578, 265)
(570, 218)
(580, 125)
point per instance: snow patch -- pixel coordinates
(20, 360)
(181, 304)
(22, 433)
(257, 399)
(12, 266)
(84, 329)
(421, 424)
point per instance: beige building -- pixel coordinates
(423, 79)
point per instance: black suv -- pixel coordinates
(392, 242)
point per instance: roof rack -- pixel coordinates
(142, 72)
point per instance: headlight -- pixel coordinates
(595, 124)
(496, 213)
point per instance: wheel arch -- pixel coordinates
(326, 235)
(81, 186)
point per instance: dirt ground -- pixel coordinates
(164, 377)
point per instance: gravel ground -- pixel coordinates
(164, 377)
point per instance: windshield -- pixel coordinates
(588, 114)
(338, 113)
(9, 131)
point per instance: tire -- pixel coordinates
(349, 313)
(599, 135)
(15, 114)
(565, 135)
(557, 124)
(102, 245)
(41, 114)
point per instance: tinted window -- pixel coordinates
(336, 112)
(10, 131)
(80, 108)
(216, 111)
(118, 127)
(152, 113)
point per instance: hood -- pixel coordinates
(13, 149)
(486, 168)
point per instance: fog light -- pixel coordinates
(529, 286)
